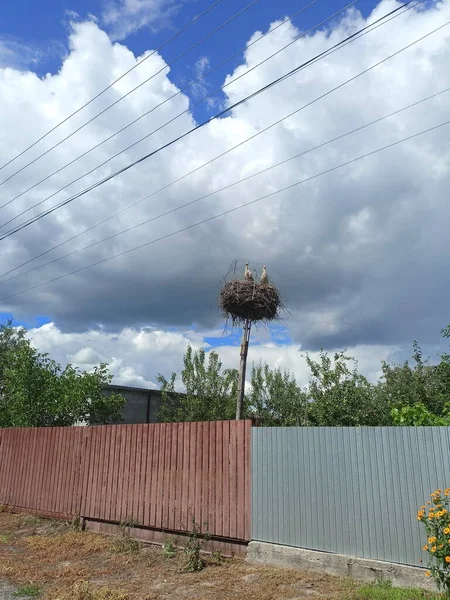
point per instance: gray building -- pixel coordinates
(142, 404)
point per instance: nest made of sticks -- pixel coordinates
(242, 300)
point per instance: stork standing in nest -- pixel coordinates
(247, 273)
(264, 276)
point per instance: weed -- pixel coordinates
(125, 543)
(169, 548)
(216, 556)
(76, 523)
(5, 508)
(194, 546)
(31, 590)
(28, 520)
(4, 539)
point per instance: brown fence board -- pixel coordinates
(162, 475)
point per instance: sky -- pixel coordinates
(359, 253)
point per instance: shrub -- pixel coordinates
(194, 547)
(435, 516)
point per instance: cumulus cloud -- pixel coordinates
(360, 254)
(136, 356)
(123, 17)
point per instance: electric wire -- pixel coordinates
(90, 228)
(173, 37)
(224, 188)
(180, 91)
(228, 211)
(166, 66)
(221, 113)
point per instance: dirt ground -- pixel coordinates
(51, 560)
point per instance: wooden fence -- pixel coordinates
(161, 475)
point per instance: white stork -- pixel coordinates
(264, 276)
(247, 273)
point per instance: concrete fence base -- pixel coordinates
(360, 569)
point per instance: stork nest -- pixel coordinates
(242, 301)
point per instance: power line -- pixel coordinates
(133, 90)
(223, 112)
(224, 188)
(184, 112)
(110, 137)
(186, 174)
(229, 211)
(179, 32)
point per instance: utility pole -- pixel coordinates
(243, 367)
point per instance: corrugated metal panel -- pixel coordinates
(353, 491)
(161, 475)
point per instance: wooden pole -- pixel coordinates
(243, 368)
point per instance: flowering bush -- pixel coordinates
(436, 518)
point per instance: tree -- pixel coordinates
(276, 398)
(419, 415)
(340, 396)
(36, 391)
(419, 386)
(210, 392)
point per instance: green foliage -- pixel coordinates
(437, 526)
(125, 544)
(418, 415)
(216, 556)
(419, 384)
(194, 547)
(31, 590)
(411, 394)
(383, 590)
(169, 548)
(210, 392)
(276, 398)
(35, 391)
(77, 522)
(340, 396)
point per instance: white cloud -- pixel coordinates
(360, 255)
(123, 17)
(146, 352)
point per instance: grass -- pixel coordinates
(31, 590)
(67, 564)
(383, 590)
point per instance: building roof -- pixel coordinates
(131, 388)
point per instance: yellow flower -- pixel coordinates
(447, 559)
(444, 511)
(425, 547)
(433, 549)
(428, 503)
(447, 530)
(428, 574)
(431, 540)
